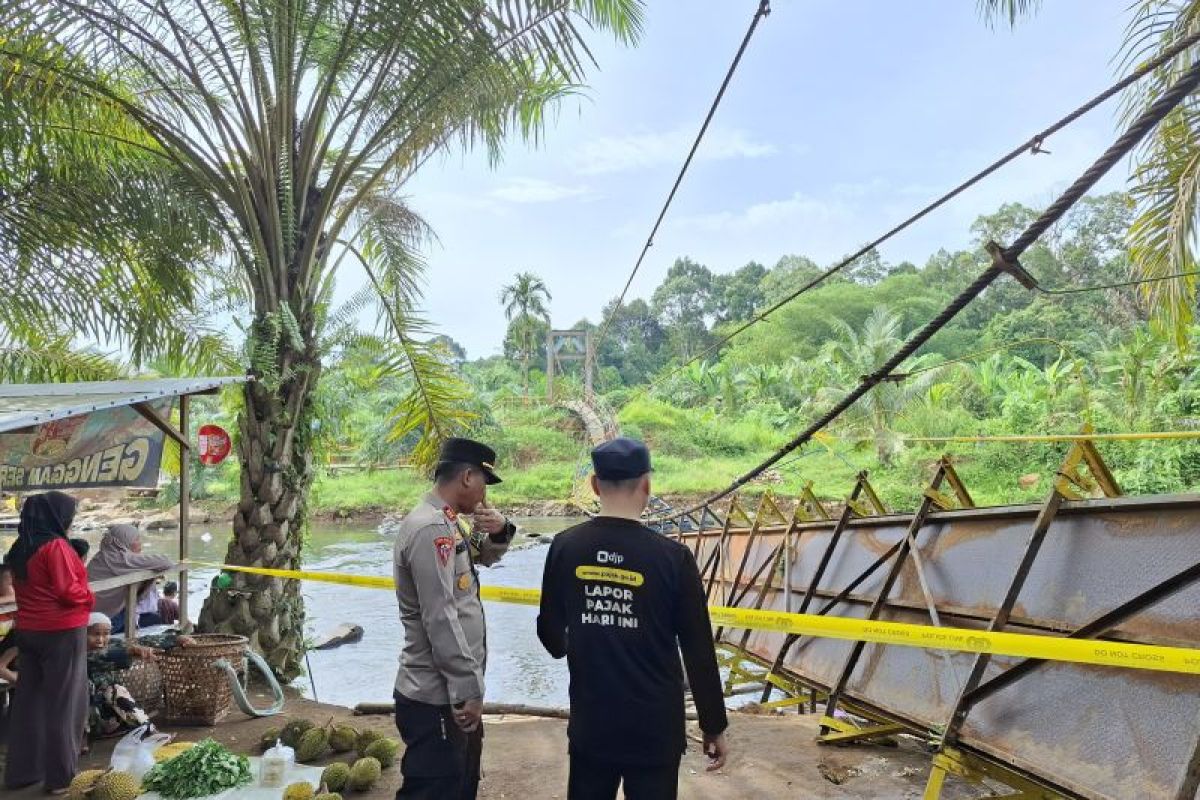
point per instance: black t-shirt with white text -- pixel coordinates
(621, 602)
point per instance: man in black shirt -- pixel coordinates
(620, 601)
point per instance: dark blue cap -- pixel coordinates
(621, 459)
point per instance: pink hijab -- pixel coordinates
(115, 558)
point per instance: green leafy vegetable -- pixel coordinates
(205, 769)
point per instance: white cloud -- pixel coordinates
(640, 150)
(535, 190)
(773, 214)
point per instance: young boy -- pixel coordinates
(168, 605)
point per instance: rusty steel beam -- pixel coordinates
(906, 545)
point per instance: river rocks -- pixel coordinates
(346, 633)
(390, 524)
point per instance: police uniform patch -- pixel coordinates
(444, 546)
(464, 581)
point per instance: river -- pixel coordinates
(519, 671)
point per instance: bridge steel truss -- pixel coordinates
(1085, 563)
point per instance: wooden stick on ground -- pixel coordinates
(493, 709)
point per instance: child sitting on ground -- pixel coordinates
(168, 605)
(81, 547)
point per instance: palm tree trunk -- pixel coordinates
(275, 454)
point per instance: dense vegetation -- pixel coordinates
(1014, 362)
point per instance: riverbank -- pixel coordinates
(525, 757)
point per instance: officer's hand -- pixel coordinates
(468, 715)
(489, 520)
(717, 750)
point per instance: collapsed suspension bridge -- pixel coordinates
(1106, 568)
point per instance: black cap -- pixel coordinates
(621, 459)
(469, 451)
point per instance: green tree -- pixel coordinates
(683, 301)
(635, 342)
(738, 294)
(524, 302)
(788, 275)
(294, 126)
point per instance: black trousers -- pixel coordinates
(597, 780)
(50, 705)
(440, 761)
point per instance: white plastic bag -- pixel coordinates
(135, 752)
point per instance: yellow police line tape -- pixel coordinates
(1021, 645)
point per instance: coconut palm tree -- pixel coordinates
(857, 352)
(291, 128)
(524, 302)
(1166, 177)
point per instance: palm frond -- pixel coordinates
(54, 360)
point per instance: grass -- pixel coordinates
(696, 453)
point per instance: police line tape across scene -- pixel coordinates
(1021, 645)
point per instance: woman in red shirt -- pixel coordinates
(53, 603)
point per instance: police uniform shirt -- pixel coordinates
(445, 641)
(620, 601)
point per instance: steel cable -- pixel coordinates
(1033, 146)
(764, 9)
(1005, 260)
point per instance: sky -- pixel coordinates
(844, 117)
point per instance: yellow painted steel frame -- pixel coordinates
(844, 730)
(952, 761)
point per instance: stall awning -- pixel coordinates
(104, 434)
(24, 405)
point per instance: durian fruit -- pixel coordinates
(116, 786)
(291, 733)
(364, 740)
(342, 739)
(312, 745)
(269, 738)
(82, 783)
(384, 750)
(169, 751)
(336, 776)
(299, 791)
(364, 773)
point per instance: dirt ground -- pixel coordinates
(525, 758)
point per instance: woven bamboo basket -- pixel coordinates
(145, 684)
(195, 690)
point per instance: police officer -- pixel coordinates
(620, 602)
(439, 688)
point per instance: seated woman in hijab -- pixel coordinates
(112, 709)
(120, 553)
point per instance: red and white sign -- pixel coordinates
(214, 445)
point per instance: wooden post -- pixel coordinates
(550, 366)
(589, 364)
(131, 614)
(185, 492)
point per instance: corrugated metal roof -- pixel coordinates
(25, 404)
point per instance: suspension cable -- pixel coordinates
(1004, 261)
(1033, 146)
(1120, 285)
(764, 9)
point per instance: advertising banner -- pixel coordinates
(112, 447)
